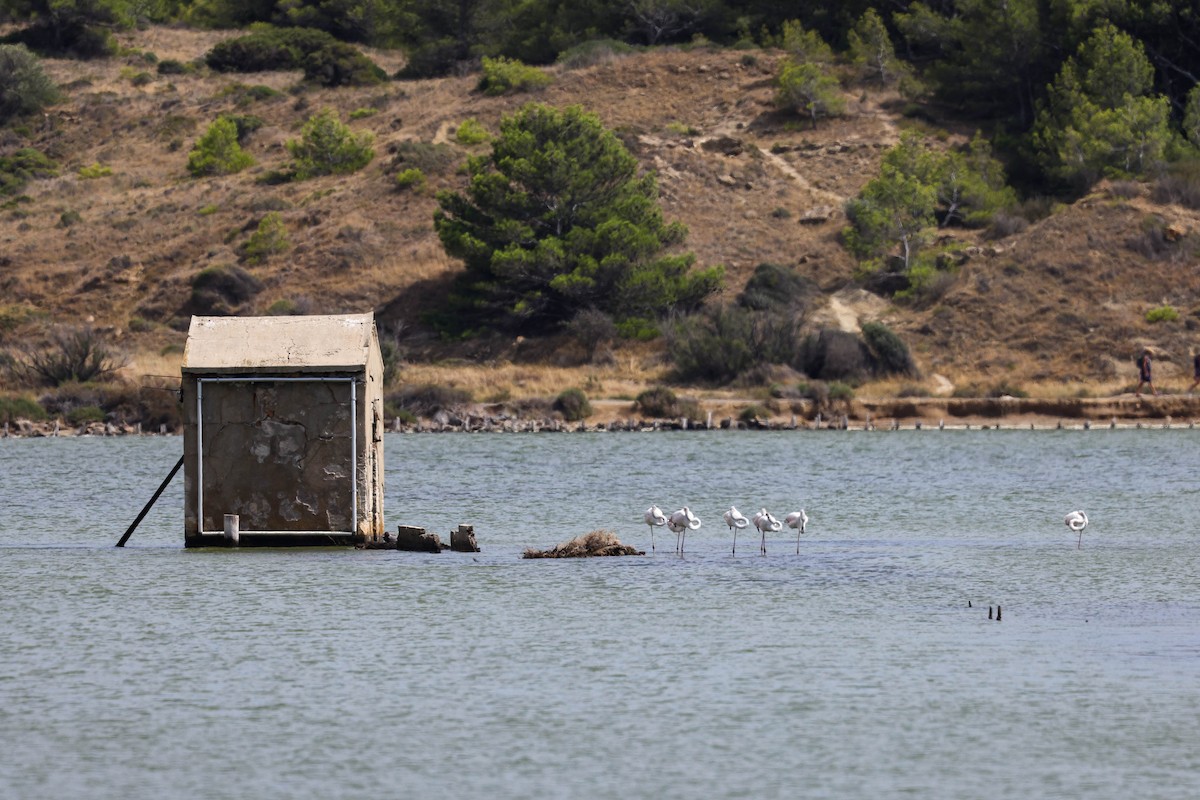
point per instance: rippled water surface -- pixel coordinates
(854, 669)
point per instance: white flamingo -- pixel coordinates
(1077, 521)
(680, 523)
(765, 522)
(736, 521)
(655, 518)
(797, 520)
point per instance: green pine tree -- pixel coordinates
(557, 220)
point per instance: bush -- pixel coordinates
(753, 413)
(471, 132)
(13, 408)
(323, 58)
(94, 170)
(1179, 184)
(834, 355)
(591, 53)
(720, 344)
(220, 290)
(776, 288)
(593, 330)
(426, 400)
(341, 64)
(504, 75)
(173, 66)
(23, 166)
(267, 50)
(71, 354)
(432, 159)
(1162, 314)
(658, 402)
(217, 152)
(890, 353)
(328, 147)
(269, 238)
(573, 405)
(411, 179)
(83, 415)
(24, 87)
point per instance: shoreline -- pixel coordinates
(878, 414)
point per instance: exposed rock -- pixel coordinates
(817, 215)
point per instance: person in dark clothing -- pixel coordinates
(1144, 373)
(1195, 370)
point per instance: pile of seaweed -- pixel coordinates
(596, 543)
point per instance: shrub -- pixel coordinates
(724, 342)
(1179, 184)
(890, 353)
(841, 391)
(411, 179)
(24, 87)
(658, 402)
(267, 50)
(591, 53)
(68, 218)
(773, 287)
(753, 413)
(94, 170)
(504, 75)
(432, 159)
(426, 400)
(834, 355)
(219, 290)
(71, 354)
(172, 66)
(363, 113)
(328, 147)
(83, 415)
(573, 405)
(269, 238)
(217, 152)
(593, 330)
(341, 64)
(471, 132)
(23, 166)
(13, 408)
(246, 124)
(1162, 314)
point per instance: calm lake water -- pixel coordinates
(855, 669)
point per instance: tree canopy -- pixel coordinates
(555, 221)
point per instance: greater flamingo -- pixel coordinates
(736, 521)
(1077, 521)
(797, 520)
(765, 522)
(680, 523)
(655, 518)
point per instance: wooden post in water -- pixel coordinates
(129, 531)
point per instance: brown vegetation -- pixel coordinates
(596, 543)
(1055, 308)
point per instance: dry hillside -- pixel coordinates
(1058, 308)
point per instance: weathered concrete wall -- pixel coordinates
(279, 455)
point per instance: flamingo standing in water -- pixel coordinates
(680, 523)
(1077, 521)
(765, 522)
(797, 520)
(735, 521)
(655, 518)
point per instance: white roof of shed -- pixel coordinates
(286, 344)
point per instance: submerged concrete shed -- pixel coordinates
(283, 426)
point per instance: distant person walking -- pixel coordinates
(1144, 373)
(1195, 370)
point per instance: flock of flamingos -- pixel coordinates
(684, 520)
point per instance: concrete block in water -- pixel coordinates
(409, 537)
(463, 540)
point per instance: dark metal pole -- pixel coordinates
(146, 509)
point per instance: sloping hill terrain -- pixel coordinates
(1056, 308)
